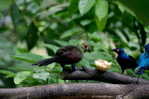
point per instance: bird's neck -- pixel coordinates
(146, 54)
(122, 54)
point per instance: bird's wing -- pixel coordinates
(45, 61)
(143, 61)
(64, 50)
(132, 59)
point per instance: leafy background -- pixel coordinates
(31, 30)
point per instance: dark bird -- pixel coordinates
(143, 61)
(125, 61)
(65, 55)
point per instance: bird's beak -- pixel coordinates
(114, 49)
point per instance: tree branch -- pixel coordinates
(55, 91)
(110, 77)
(81, 89)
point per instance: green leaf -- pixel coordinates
(101, 23)
(72, 7)
(85, 22)
(69, 33)
(5, 4)
(47, 3)
(85, 6)
(21, 76)
(28, 57)
(38, 1)
(61, 43)
(32, 36)
(124, 8)
(52, 47)
(57, 8)
(94, 37)
(139, 7)
(18, 20)
(101, 9)
(41, 75)
(7, 73)
(101, 12)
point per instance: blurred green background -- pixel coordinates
(31, 30)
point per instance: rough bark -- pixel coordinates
(123, 87)
(110, 77)
(80, 89)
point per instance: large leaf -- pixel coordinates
(5, 4)
(72, 7)
(124, 8)
(18, 20)
(7, 73)
(21, 76)
(32, 36)
(101, 23)
(85, 6)
(41, 75)
(28, 57)
(69, 33)
(52, 47)
(101, 12)
(139, 7)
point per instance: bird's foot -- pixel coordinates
(73, 67)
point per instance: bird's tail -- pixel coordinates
(45, 61)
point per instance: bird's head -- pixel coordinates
(146, 47)
(118, 50)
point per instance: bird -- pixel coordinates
(143, 61)
(65, 55)
(125, 61)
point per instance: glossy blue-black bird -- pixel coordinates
(143, 61)
(125, 61)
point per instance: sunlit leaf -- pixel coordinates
(61, 43)
(41, 75)
(21, 76)
(95, 37)
(85, 22)
(57, 8)
(101, 12)
(28, 57)
(7, 73)
(124, 8)
(85, 6)
(52, 47)
(71, 32)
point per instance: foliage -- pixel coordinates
(32, 30)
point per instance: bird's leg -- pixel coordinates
(122, 71)
(73, 67)
(140, 71)
(137, 82)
